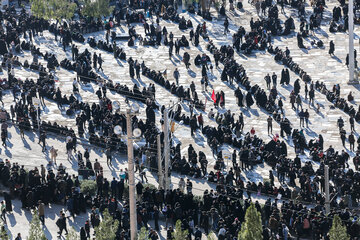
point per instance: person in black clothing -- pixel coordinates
(95, 59)
(193, 125)
(100, 61)
(108, 156)
(343, 136)
(331, 48)
(352, 141)
(171, 46)
(61, 223)
(226, 26)
(156, 218)
(280, 105)
(269, 121)
(177, 47)
(42, 140)
(352, 123)
(18, 237)
(3, 137)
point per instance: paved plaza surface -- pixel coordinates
(315, 61)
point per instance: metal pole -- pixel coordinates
(160, 168)
(166, 148)
(132, 200)
(351, 41)
(327, 197)
(38, 118)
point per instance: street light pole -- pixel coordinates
(351, 41)
(132, 200)
(327, 197)
(166, 148)
(160, 168)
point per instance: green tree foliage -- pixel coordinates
(36, 232)
(53, 9)
(338, 230)
(252, 227)
(211, 236)
(39, 8)
(143, 235)
(107, 228)
(3, 233)
(180, 234)
(88, 187)
(96, 8)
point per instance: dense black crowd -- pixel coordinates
(221, 210)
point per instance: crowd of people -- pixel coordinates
(222, 209)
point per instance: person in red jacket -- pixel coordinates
(252, 131)
(201, 121)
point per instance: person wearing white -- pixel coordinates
(222, 232)
(182, 185)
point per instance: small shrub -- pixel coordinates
(88, 187)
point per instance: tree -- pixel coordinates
(36, 232)
(211, 236)
(88, 187)
(338, 230)
(3, 233)
(72, 234)
(143, 235)
(39, 8)
(96, 8)
(107, 228)
(180, 234)
(252, 227)
(53, 9)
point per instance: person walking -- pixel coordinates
(108, 156)
(268, 81)
(201, 121)
(143, 173)
(42, 140)
(302, 118)
(176, 75)
(352, 141)
(95, 60)
(171, 47)
(41, 212)
(193, 125)
(280, 105)
(292, 100)
(100, 62)
(298, 102)
(61, 223)
(274, 79)
(352, 123)
(306, 115)
(311, 96)
(189, 186)
(269, 121)
(53, 154)
(43, 173)
(177, 47)
(343, 136)
(226, 26)
(3, 138)
(331, 48)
